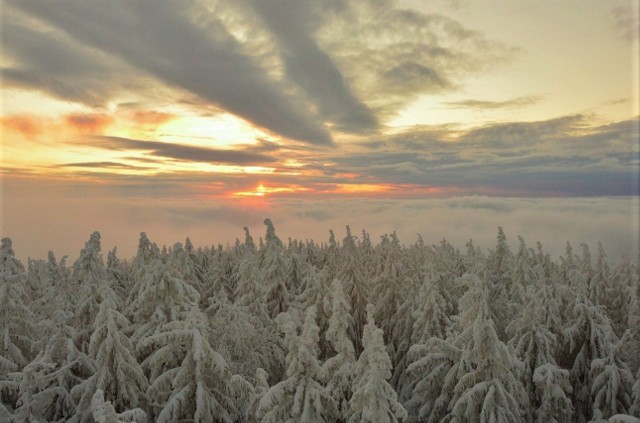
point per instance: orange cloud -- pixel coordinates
(87, 123)
(28, 125)
(151, 117)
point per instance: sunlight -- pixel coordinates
(219, 131)
(262, 191)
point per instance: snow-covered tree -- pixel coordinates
(552, 388)
(199, 387)
(490, 391)
(164, 297)
(589, 337)
(103, 411)
(89, 273)
(248, 293)
(373, 399)
(611, 387)
(39, 398)
(356, 286)
(245, 341)
(300, 397)
(339, 369)
(274, 273)
(317, 293)
(16, 320)
(118, 373)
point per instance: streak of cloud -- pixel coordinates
(180, 151)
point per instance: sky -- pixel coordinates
(443, 118)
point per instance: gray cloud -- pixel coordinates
(404, 53)
(486, 104)
(563, 156)
(310, 67)
(163, 40)
(52, 63)
(103, 165)
(180, 151)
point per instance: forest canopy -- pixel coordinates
(350, 330)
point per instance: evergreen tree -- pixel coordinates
(199, 387)
(118, 373)
(352, 276)
(490, 391)
(274, 273)
(164, 297)
(339, 369)
(589, 337)
(300, 397)
(552, 389)
(612, 384)
(374, 400)
(16, 320)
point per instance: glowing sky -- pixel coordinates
(248, 106)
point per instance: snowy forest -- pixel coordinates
(344, 330)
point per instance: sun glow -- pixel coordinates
(262, 191)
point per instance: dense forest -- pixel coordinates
(339, 331)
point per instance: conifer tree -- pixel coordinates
(490, 391)
(374, 400)
(339, 369)
(90, 274)
(317, 293)
(274, 273)
(164, 297)
(612, 385)
(16, 320)
(300, 397)
(199, 387)
(118, 373)
(552, 389)
(356, 286)
(589, 337)
(245, 341)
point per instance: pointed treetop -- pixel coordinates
(248, 239)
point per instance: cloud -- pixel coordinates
(309, 66)
(88, 124)
(197, 55)
(103, 165)
(571, 155)
(486, 104)
(626, 21)
(393, 55)
(180, 151)
(54, 63)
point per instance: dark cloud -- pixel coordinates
(310, 67)
(564, 156)
(53, 63)
(162, 39)
(104, 165)
(485, 104)
(180, 151)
